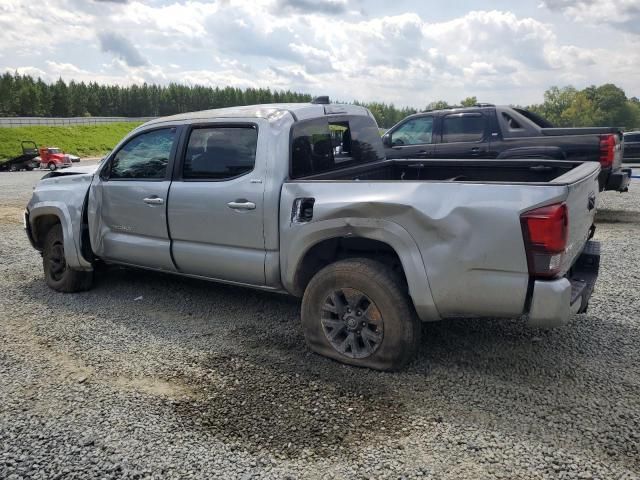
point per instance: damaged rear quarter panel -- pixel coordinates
(460, 243)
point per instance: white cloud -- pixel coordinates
(28, 28)
(32, 71)
(405, 58)
(624, 13)
(122, 47)
(324, 7)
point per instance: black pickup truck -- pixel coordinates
(501, 132)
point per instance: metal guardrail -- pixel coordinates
(58, 121)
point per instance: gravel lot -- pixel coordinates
(150, 375)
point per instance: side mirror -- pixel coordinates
(386, 140)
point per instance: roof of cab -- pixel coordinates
(299, 111)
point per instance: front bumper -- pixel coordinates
(554, 302)
(618, 180)
(27, 229)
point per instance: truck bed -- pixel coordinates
(463, 217)
(451, 170)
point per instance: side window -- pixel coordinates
(512, 124)
(414, 132)
(463, 128)
(145, 156)
(220, 152)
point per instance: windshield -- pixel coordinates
(54, 150)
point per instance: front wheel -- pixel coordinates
(357, 311)
(58, 275)
(51, 166)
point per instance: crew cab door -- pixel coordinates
(127, 202)
(216, 204)
(463, 135)
(411, 139)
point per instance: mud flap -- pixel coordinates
(584, 275)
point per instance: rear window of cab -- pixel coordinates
(324, 144)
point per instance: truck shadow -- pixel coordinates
(617, 216)
(256, 383)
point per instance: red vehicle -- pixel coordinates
(53, 158)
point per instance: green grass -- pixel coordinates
(81, 140)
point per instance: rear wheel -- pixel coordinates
(51, 166)
(58, 275)
(357, 312)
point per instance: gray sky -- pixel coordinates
(407, 52)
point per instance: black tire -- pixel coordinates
(51, 166)
(58, 275)
(395, 325)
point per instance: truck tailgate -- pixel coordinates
(582, 185)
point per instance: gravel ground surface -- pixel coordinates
(149, 375)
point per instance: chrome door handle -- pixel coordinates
(242, 205)
(153, 201)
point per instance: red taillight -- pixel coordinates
(545, 231)
(607, 149)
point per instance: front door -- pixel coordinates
(411, 139)
(216, 205)
(127, 202)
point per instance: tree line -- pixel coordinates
(606, 105)
(22, 95)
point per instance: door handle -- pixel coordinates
(242, 205)
(475, 150)
(153, 200)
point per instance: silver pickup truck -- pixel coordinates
(299, 198)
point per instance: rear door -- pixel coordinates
(463, 135)
(216, 204)
(412, 139)
(127, 204)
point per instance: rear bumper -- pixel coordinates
(554, 302)
(618, 180)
